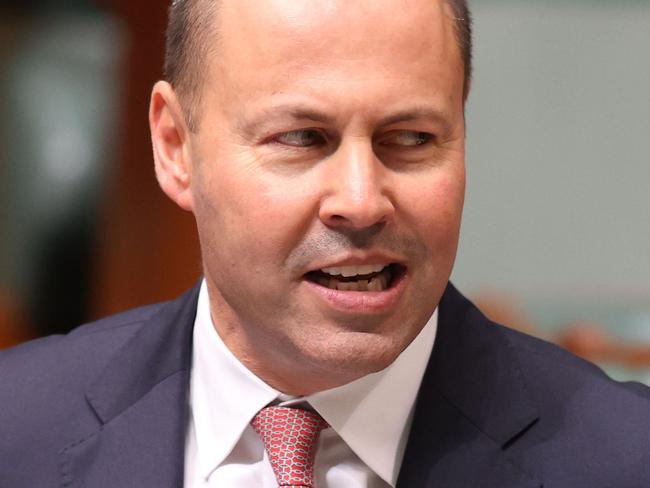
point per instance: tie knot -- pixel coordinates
(290, 436)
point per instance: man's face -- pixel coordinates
(331, 143)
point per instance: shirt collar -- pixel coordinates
(224, 394)
(372, 414)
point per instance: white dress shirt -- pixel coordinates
(370, 418)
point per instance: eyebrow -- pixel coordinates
(300, 112)
(418, 113)
(292, 112)
(305, 113)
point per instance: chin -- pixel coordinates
(351, 355)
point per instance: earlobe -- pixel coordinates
(171, 145)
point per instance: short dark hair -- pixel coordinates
(191, 26)
(463, 18)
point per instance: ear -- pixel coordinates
(170, 137)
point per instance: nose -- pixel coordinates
(358, 195)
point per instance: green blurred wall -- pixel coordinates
(558, 204)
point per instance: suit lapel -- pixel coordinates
(141, 403)
(472, 404)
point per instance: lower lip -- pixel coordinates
(361, 302)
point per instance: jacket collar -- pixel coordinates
(473, 402)
(160, 349)
(141, 402)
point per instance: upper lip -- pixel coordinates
(359, 260)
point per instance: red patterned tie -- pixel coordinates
(289, 436)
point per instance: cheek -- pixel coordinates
(252, 211)
(434, 205)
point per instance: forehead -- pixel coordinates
(274, 44)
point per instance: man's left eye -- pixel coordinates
(301, 138)
(407, 138)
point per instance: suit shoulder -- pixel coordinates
(542, 359)
(47, 385)
(584, 414)
(43, 384)
(527, 346)
(56, 365)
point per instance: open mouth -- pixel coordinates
(377, 277)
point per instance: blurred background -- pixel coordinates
(556, 232)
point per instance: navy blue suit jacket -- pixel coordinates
(107, 406)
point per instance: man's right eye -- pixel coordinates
(301, 138)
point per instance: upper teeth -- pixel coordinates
(346, 271)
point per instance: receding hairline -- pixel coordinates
(192, 32)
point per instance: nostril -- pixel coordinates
(356, 209)
(355, 219)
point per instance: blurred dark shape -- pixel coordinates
(62, 282)
(29, 6)
(58, 84)
(14, 327)
(112, 241)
